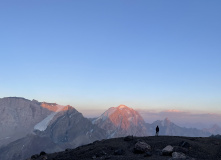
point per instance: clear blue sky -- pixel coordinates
(102, 53)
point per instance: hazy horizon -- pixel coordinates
(189, 119)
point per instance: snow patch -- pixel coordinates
(130, 119)
(71, 115)
(105, 115)
(112, 135)
(41, 126)
(4, 138)
(122, 107)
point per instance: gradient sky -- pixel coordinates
(98, 54)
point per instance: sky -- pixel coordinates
(155, 55)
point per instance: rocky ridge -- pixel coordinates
(152, 148)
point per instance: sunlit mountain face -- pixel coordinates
(121, 121)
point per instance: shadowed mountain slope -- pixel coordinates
(27, 146)
(67, 129)
(18, 116)
(71, 127)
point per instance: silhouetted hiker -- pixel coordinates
(157, 130)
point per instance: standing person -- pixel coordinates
(157, 130)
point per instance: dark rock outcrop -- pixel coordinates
(118, 149)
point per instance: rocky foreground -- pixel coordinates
(152, 148)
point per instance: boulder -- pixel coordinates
(178, 155)
(167, 150)
(141, 147)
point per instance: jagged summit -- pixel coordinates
(123, 107)
(121, 110)
(55, 107)
(15, 98)
(121, 121)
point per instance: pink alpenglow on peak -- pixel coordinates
(122, 107)
(121, 121)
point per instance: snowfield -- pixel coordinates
(41, 126)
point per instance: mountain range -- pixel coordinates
(28, 127)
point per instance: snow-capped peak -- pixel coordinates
(105, 115)
(122, 106)
(121, 121)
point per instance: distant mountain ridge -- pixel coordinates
(215, 129)
(170, 129)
